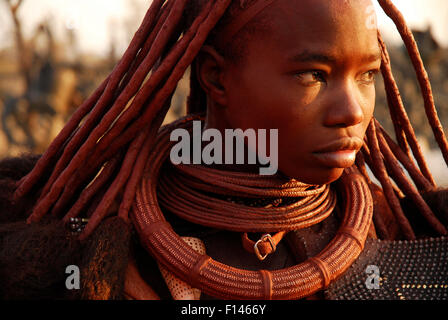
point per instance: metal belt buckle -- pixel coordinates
(265, 238)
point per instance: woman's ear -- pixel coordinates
(209, 71)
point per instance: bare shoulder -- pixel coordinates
(437, 200)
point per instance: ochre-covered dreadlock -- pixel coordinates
(100, 154)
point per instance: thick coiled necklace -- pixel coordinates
(227, 282)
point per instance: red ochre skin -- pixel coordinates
(310, 75)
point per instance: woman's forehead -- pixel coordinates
(321, 14)
(327, 25)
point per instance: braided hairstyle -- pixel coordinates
(100, 154)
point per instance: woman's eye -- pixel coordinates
(369, 77)
(311, 78)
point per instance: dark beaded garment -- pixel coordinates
(408, 270)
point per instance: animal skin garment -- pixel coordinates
(179, 289)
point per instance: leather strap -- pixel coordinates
(263, 247)
(267, 282)
(195, 274)
(354, 234)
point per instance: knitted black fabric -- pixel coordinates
(12, 170)
(16, 168)
(34, 257)
(33, 260)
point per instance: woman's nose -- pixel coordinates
(345, 108)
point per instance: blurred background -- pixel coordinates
(54, 53)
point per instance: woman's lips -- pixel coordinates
(339, 153)
(336, 159)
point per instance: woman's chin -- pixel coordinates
(315, 176)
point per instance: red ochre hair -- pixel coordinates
(99, 156)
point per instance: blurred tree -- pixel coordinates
(38, 73)
(22, 53)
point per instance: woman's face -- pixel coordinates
(311, 76)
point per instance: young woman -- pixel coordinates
(303, 68)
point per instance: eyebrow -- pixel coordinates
(307, 56)
(312, 57)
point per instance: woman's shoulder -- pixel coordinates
(386, 224)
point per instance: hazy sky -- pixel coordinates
(97, 22)
(420, 14)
